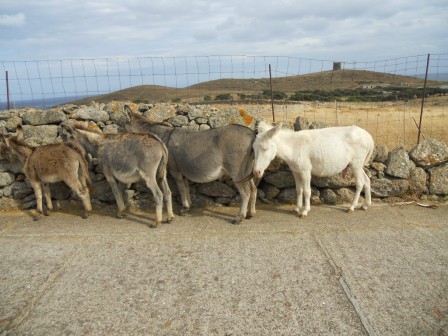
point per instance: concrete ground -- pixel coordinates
(378, 272)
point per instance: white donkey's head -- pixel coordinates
(265, 148)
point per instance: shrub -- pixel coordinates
(223, 96)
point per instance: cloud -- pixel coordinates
(15, 20)
(346, 30)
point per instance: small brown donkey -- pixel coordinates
(128, 158)
(51, 163)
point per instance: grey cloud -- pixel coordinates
(12, 20)
(102, 28)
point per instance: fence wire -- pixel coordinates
(46, 83)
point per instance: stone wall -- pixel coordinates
(421, 173)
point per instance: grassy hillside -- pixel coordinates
(326, 81)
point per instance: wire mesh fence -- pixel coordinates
(387, 100)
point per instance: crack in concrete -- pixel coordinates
(346, 288)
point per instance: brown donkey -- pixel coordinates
(48, 164)
(128, 158)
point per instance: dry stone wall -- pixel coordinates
(421, 173)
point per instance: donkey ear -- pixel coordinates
(6, 140)
(273, 131)
(19, 132)
(129, 112)
(67, 129)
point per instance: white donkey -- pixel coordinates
(318, 152)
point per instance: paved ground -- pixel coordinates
(380, 272)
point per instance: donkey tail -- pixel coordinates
(368, 159)
(83, 165)
(369, 156)
(163, 164)
(83, 173)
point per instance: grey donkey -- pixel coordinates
(128, 158)
(204, 156)
(48, 164)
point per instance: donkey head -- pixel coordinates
(87, 134)
(13, 147)
(265, 148)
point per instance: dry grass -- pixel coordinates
(392, 124)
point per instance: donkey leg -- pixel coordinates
(182, 185)
(359, 178)
(253, 198)
(244, 189)
(168, 199)
(83, 193)
(86, 203)
(367, 192)
(85, 198)
(38, 193)
(47, 194)
(117, 193)
(306, 195)
(158, 198)
(187, 189)
(299, 193)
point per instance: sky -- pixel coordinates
(60, 48)
(319, 29)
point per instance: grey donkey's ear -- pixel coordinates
(273, 131)
(65, 131)
(129, 112)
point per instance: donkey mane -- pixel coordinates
(87, 127)
(95, 129)
(138, 118)
(21, 142)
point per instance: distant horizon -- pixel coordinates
(41, 103)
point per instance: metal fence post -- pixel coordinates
(7, 91)
(272, 94)
(423, 100)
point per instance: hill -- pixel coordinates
(326, 81)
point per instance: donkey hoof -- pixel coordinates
(120, 215)
(36, 218)
(302, 215)
(249, 216)
(364, 207)
(85, 215)
(184, 211)
(349, 210)
(46, 212)
(169, 219)
(237, 221)
(154, 226)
